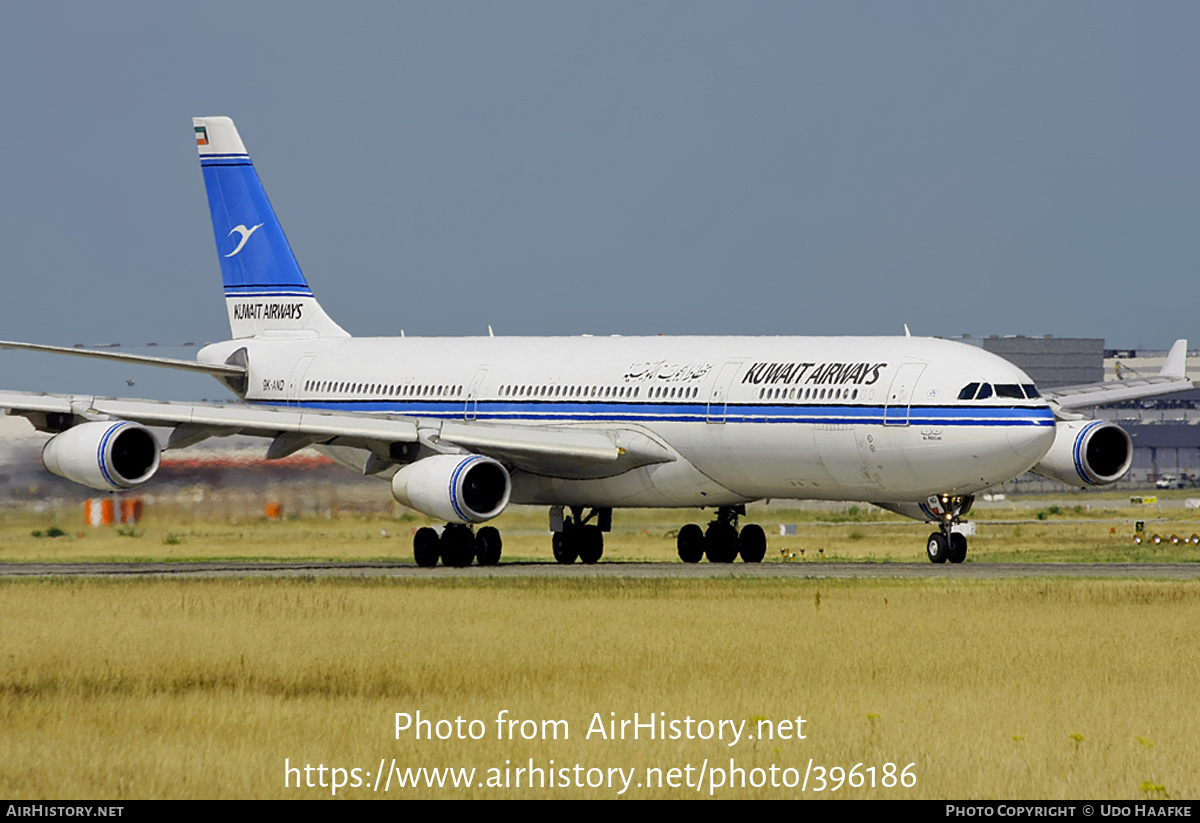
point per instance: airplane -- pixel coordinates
(463, 427)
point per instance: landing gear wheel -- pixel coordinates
(487, 546)
(690, 543)
(938, 548)
(591, 544)
(752, 544)
(958, 548)
(458, 545)
(564, 544)
(426, 547)
(720, 543)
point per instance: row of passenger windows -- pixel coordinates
(381, 389)
(618, 392)
(807, 394)
(540, 392)
(547, 392)
(982, 391)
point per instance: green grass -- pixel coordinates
(1070, 529)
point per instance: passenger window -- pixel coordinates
(968, 392)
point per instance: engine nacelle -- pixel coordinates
(1087, 453)
(454, 487)
(106, 456)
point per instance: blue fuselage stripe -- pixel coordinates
(972, 416)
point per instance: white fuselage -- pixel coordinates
(744, 418)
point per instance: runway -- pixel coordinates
(629, 570)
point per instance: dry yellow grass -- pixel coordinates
(1010, 689)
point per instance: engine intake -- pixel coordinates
(106, 456)
(454, 487)
(1087, 453)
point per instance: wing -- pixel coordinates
(1169, 380)
(560, 451)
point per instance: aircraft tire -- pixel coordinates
(458, 546)
(938, 548)
(752, 544)
(690, 543)
(564, 545)
(958, 548)
(720, 543)
(488, 546)
(426, 548)
(591, 544)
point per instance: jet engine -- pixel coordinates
(1087, 453)
(107, 456)
(454, 487)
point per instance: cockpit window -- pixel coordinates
(982, 391)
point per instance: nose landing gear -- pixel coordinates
(947, 510)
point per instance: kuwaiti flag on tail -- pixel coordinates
(265, 291)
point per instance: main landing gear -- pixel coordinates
(457, 546)
(947, 544)
(574, 537)
(721, 542)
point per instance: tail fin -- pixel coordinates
(265, 291)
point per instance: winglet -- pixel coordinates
(1176, 361)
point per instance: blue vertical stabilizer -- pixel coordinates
(265, 291)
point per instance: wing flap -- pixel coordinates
(559, 451)
(550, 442)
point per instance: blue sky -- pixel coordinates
(608, 168)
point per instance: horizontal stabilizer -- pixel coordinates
(215, 369)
